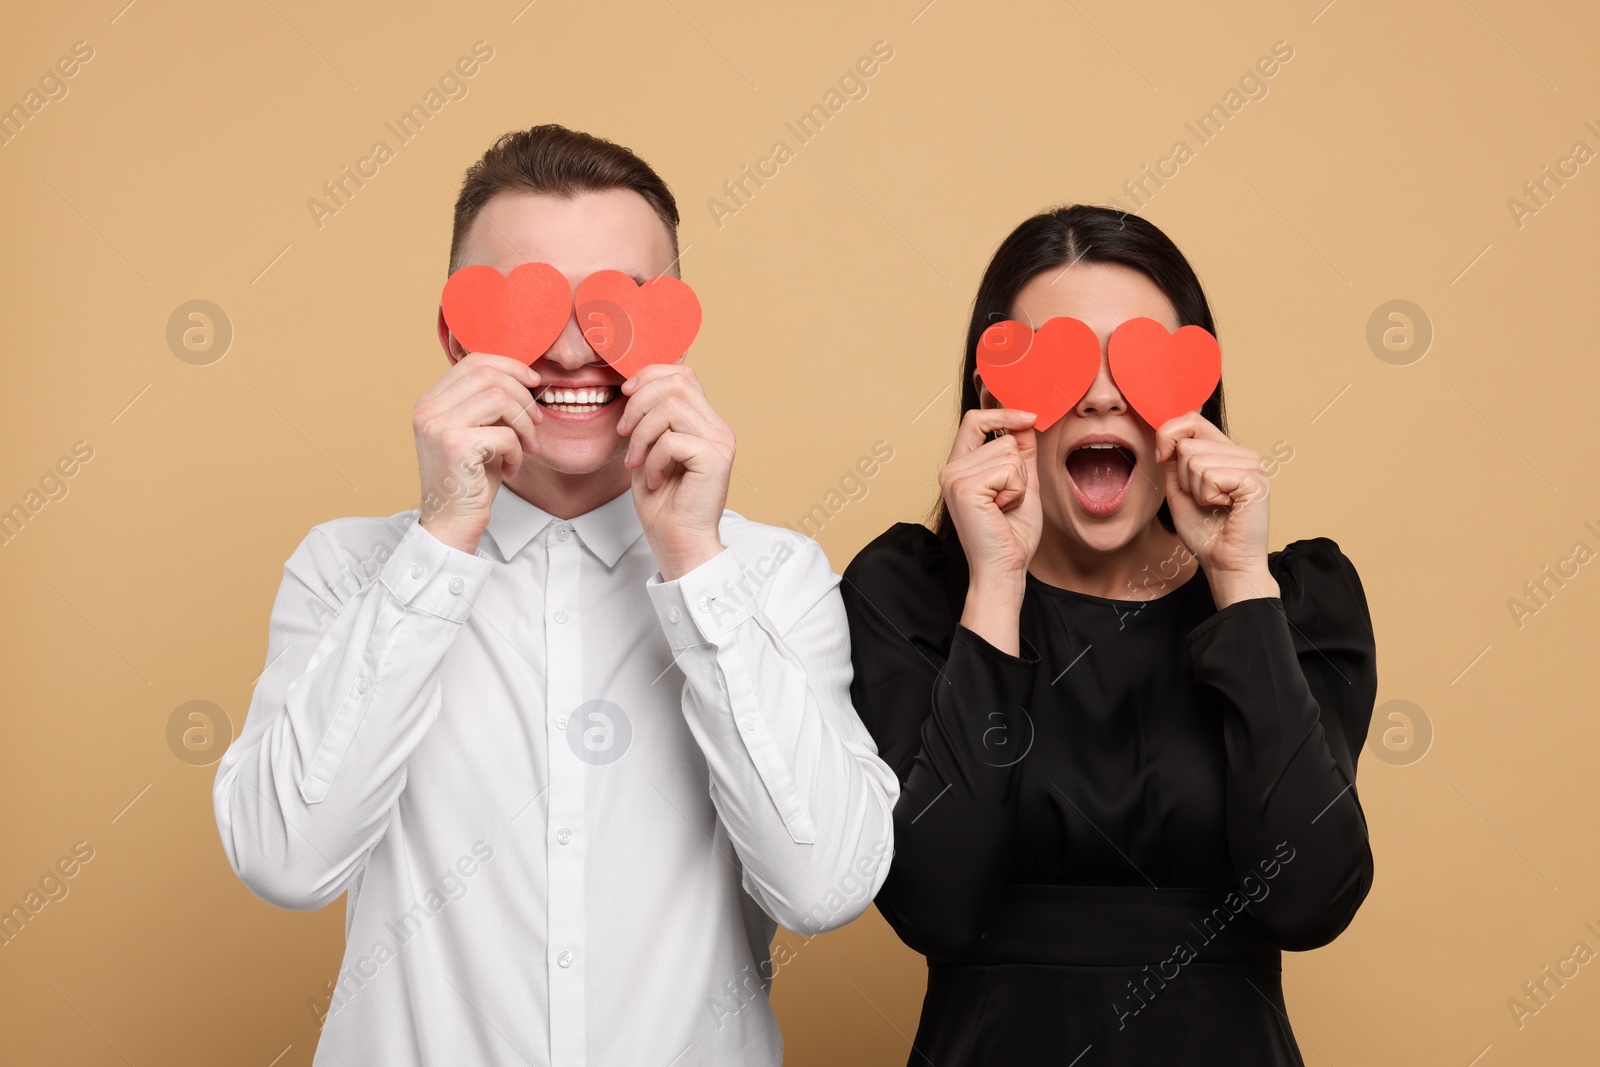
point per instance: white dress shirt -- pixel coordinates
(570, 801)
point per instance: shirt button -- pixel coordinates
(704, 603)
(561, 722)
(561, 535)
(749, 722)
(361, 685)
(561, 615)
(565, 959)
(563, 835)
(416, 570)
(456, 585)
(673, 614)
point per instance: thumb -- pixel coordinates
(1174, 486)
(1027, 440)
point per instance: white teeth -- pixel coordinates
(585, 398)
(1104, 446)
(575, 396)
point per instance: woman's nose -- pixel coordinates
(1103, 397)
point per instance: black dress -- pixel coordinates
(1102, 845)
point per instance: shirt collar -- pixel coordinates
(607, 530)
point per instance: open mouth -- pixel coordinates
(581, 401)
(1100, 473)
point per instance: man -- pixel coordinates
(573, 736)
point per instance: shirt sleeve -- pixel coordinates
(794, 775)
(1297, 677)
(350, 689)
(950, 712)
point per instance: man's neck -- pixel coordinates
(567, 496)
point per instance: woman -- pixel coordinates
(1126, 732)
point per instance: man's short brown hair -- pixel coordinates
(561, 162)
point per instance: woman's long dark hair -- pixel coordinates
(1052, 240)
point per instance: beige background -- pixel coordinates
(1378, 167)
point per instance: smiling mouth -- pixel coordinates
(1100, 474)
(581, 401)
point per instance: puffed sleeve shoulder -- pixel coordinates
(901, 621)
(932, 692)
(1331, 626)
(903, 573)
(1296, 675)
(1320, 589)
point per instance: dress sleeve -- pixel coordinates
(947, 710)
(1296, 676)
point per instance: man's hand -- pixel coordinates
(681, 455)
(472, 429)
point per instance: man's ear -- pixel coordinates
(452, 347)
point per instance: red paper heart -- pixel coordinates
(1164, 374)
(517, 315)
(1045, 372)
(631, 326)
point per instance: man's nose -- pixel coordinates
(570, 350)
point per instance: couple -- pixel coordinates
(587, 737)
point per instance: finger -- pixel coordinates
(1028, 454)
(659, 389)
(1027, 440)
(484, 379)
(1214, 483)
(1008, 482)
(1240, 477)
(979, 422)
(1175, 486)
(1206, 446)
(985, 455)
(693, 453)
(1025, 458)
(497, 406)
(1231, 483)
(472, 362)
(1186, 451)
(650, 384)
(981, 483)
(1191, 424)
(475, 378)
(483, 446)
(653, 373)
(1214, 486)
(676, 414)
(680, 415)
(655, 422)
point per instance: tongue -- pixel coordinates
(1099, 473)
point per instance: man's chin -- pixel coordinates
(577, 462)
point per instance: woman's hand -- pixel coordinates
(1217, 492)
(992, 492)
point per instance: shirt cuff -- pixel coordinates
(706, 604)
(426, 574)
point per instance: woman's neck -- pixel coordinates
(1149, 566)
